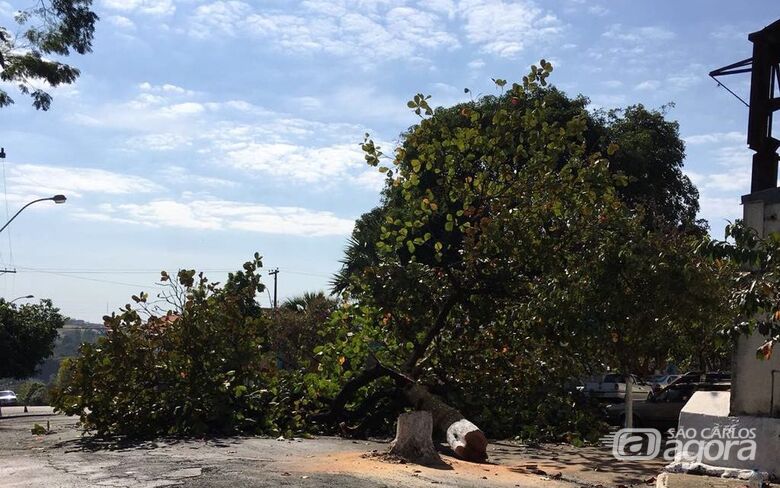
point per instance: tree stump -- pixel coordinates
(414, 439)
(465, 438)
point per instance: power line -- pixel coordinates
(83, 278)
(156, 271)
(307, 273)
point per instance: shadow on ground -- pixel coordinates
(587, 465)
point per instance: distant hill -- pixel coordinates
(75, 333)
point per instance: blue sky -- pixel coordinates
(203, 131)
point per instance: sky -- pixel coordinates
(201, 132)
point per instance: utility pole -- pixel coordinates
(275, 273)
(5, 270)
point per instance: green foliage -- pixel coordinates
(754, 289)
(517, 238)
(487, 203)
(27, 335)
(53, 27)
(648, 150)
(32, 393)
(295, 326)
(205, 369)
(522, 243)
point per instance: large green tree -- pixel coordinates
(521, 242)
(48, 29)
(27, 336)
(485, 205)
(645, 149)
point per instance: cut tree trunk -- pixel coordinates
(413, 439)
(463, 436)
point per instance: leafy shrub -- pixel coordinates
(204, 368)
(32, 393)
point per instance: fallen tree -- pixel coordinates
(466, 439)
(479, 199)
(467, 294)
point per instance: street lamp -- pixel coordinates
(56, 199)
(20, 298)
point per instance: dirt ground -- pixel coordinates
(63, 458)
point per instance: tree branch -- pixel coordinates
(421, 347)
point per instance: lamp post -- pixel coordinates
(21, 298)
(56, 199)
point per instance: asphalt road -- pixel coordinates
(63, 458)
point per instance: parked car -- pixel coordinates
(7, 397)
(612, 387)
(662, 410)
(704, 377)
(661, 381)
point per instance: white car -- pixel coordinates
(612, 387)
(662, 381)
(7, 397)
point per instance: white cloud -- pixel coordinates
(447, 7)
(305, 164)
(160, 109)
(166, 88)
(185, 176)
(683, 81)
(648, 85)
(340, 27)
(149, 7)
(734, 161)
(505, 28)
(383, 30)
(638, 34)
(121, 22)
(244, 136)
(719, 210)
(730, 32)
(218, 18)
(215, 214)
(165, 141)
(308, 103)
(7, 9)
(607, 100)
(186, 108)
(716, 137)
(74, 181)
(476, 64)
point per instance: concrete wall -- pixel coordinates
(752, 384)
(706, 410)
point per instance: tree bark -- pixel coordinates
(629, 401)
(413, 439)
(465, 438)
(418, 352)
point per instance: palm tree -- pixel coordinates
(309, 302)
(361, 249)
